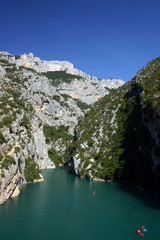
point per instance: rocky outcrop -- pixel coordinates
(29, 61)
(89, 91)
(8, 58)
(11, 176)
(9, 183)
(41, 149)
(2, 72)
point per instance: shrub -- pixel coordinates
(17, 57)
(51, 133)
(81, 105)
(31, 171)
(7, 120)
(1, 157)
(2, 139)
(3, 107)
(2, 175)
(53, 155)
(60, 76)
(17, 149)
(26, 122)
(8, 160)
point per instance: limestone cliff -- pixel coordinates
(38, 117)
(84, 87)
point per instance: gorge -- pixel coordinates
(52, 114)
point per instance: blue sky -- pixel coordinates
(106, 39)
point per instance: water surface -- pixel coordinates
(65, 207)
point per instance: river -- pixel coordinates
(65, 207)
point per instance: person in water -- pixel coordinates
(144, 228)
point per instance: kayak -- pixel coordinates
(145, 230)
(140, 233)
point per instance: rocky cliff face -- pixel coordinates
(119, 138)
(49, 115)
(89, 91)
(38, 115)
(84, 87)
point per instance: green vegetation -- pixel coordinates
(17, 57)
(58, 77)
(2, 139)
(113, 134)
(53, 134)
(7, 121)
(26, 122)
(4, 109)
(3, 61)
(2, 175)
(53, 155)
(82, 105)
(1, 157)
(150, 78)
(17, 150)
(31, 171)
(7, 161)
(61, 135)
(56, 97)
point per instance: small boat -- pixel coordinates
(139, 232)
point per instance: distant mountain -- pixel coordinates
(119, 138)
(40, 105)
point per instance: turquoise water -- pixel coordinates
(64, 207)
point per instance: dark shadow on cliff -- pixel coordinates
(136, 159)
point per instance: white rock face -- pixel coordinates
(42, 150)
(29, 61)
(7, 57)
(10, 183)
(2, 72)
(111, 83)
(88, 91)
(77, 161)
